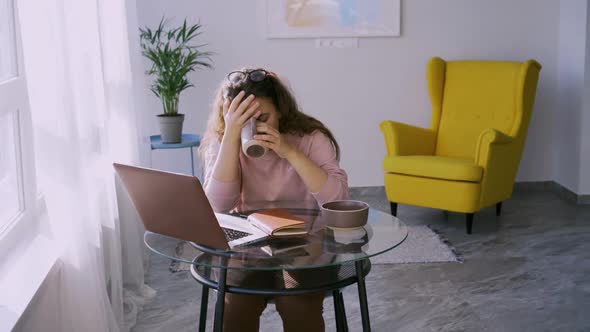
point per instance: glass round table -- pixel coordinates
(325, 260)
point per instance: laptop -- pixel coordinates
(176, 205)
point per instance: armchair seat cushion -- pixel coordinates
(446, 168)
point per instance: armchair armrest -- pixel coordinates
(403, 139)
(484, 151)
(499, 155)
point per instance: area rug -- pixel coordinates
(423, 245)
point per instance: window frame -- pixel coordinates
(29, 255)
(24, 226)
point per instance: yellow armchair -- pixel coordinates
(468, 158)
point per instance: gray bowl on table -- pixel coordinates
(345, 214)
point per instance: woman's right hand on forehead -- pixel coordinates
(237, 111)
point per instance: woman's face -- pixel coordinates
(268, 113)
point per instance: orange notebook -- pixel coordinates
(278, 222)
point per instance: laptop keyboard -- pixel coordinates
(232, 234)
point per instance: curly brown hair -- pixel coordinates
(291, 119)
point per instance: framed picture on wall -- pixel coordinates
(332, 18)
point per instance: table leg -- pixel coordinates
(343, 312)
(337, 311)
(362, 295)
(204, 304)
(340, 313)
(220, 305)
(192, 162)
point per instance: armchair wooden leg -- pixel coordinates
(469, 222)
(498, 209)
(393, 208)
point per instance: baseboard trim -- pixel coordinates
(534, 186)
(551, 186)
(569, 195)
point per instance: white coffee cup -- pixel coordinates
(251, 147)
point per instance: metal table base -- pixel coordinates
(362, 268)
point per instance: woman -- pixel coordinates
(301, 165)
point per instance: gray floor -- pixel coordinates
(528, 270)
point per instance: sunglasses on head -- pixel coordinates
(257, 75)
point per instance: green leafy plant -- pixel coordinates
(172, 58)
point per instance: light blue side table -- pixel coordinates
(188, 141)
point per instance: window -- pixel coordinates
(7, 41)
(9, 189)
(17, 176)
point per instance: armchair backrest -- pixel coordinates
(469, 97)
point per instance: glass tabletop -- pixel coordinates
(321, 247)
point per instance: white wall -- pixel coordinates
(584, 188)
(572, 51)
(42, 313)
(572, 115)
(353, 90)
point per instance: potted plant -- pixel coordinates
(172, 58)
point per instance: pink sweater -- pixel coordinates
(271, 178)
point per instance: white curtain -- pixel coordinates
(78, 60)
